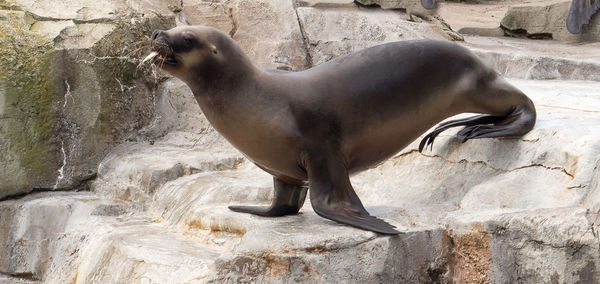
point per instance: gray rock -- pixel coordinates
(334, 32)
(543, 20)
(269, 34)
(140, 250)
(538, 60)
(557, 245)
(175, 110)
(43, 234)
(57, 238)
(410, 6)
(133, 172)
(69, 87)
(467, 213)
(212, 13)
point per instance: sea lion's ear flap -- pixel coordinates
(581, 13)
(213, 49)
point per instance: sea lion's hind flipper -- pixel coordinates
(469, 121)
(332, 195)
(288, 200)
(517, 123)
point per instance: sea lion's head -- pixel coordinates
(193, 53)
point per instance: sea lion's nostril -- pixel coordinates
(155, 34)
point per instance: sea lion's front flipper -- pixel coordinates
(288, 200)
(332, 195)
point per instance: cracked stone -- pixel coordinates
(411, 6)
(214, 14)
(334, 32)
(269, 34)
(82, 35)
(65, 88)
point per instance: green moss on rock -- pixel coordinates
(109, 99)
(28, 115)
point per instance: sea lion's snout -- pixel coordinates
(163, 49)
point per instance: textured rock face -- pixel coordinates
(257, 22)
(410, 6)
(25, 123)
(334, 32)
(69, 87)
(486, 211)
(209, 13)
(547, 20)
(538, 60)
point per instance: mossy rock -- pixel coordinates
(27, 118)
(61, 109)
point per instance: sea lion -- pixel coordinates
(349, 114)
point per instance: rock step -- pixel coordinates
(295, 248)
(81, 238)
(134, 171)
(136, 251)
(537, 60)
(300, 248)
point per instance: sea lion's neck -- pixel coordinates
(224, 75)
(227, 85)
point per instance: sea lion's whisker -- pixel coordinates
(135, 51)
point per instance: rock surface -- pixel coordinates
(410, 6)
(538, 60)
(256, 23)
(547, 20)
(537, 19)
(69, 88)
(330, 33)
(489, 210)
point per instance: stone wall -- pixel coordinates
(70, 88)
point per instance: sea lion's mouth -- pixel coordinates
(162, 54)
(165, 59)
